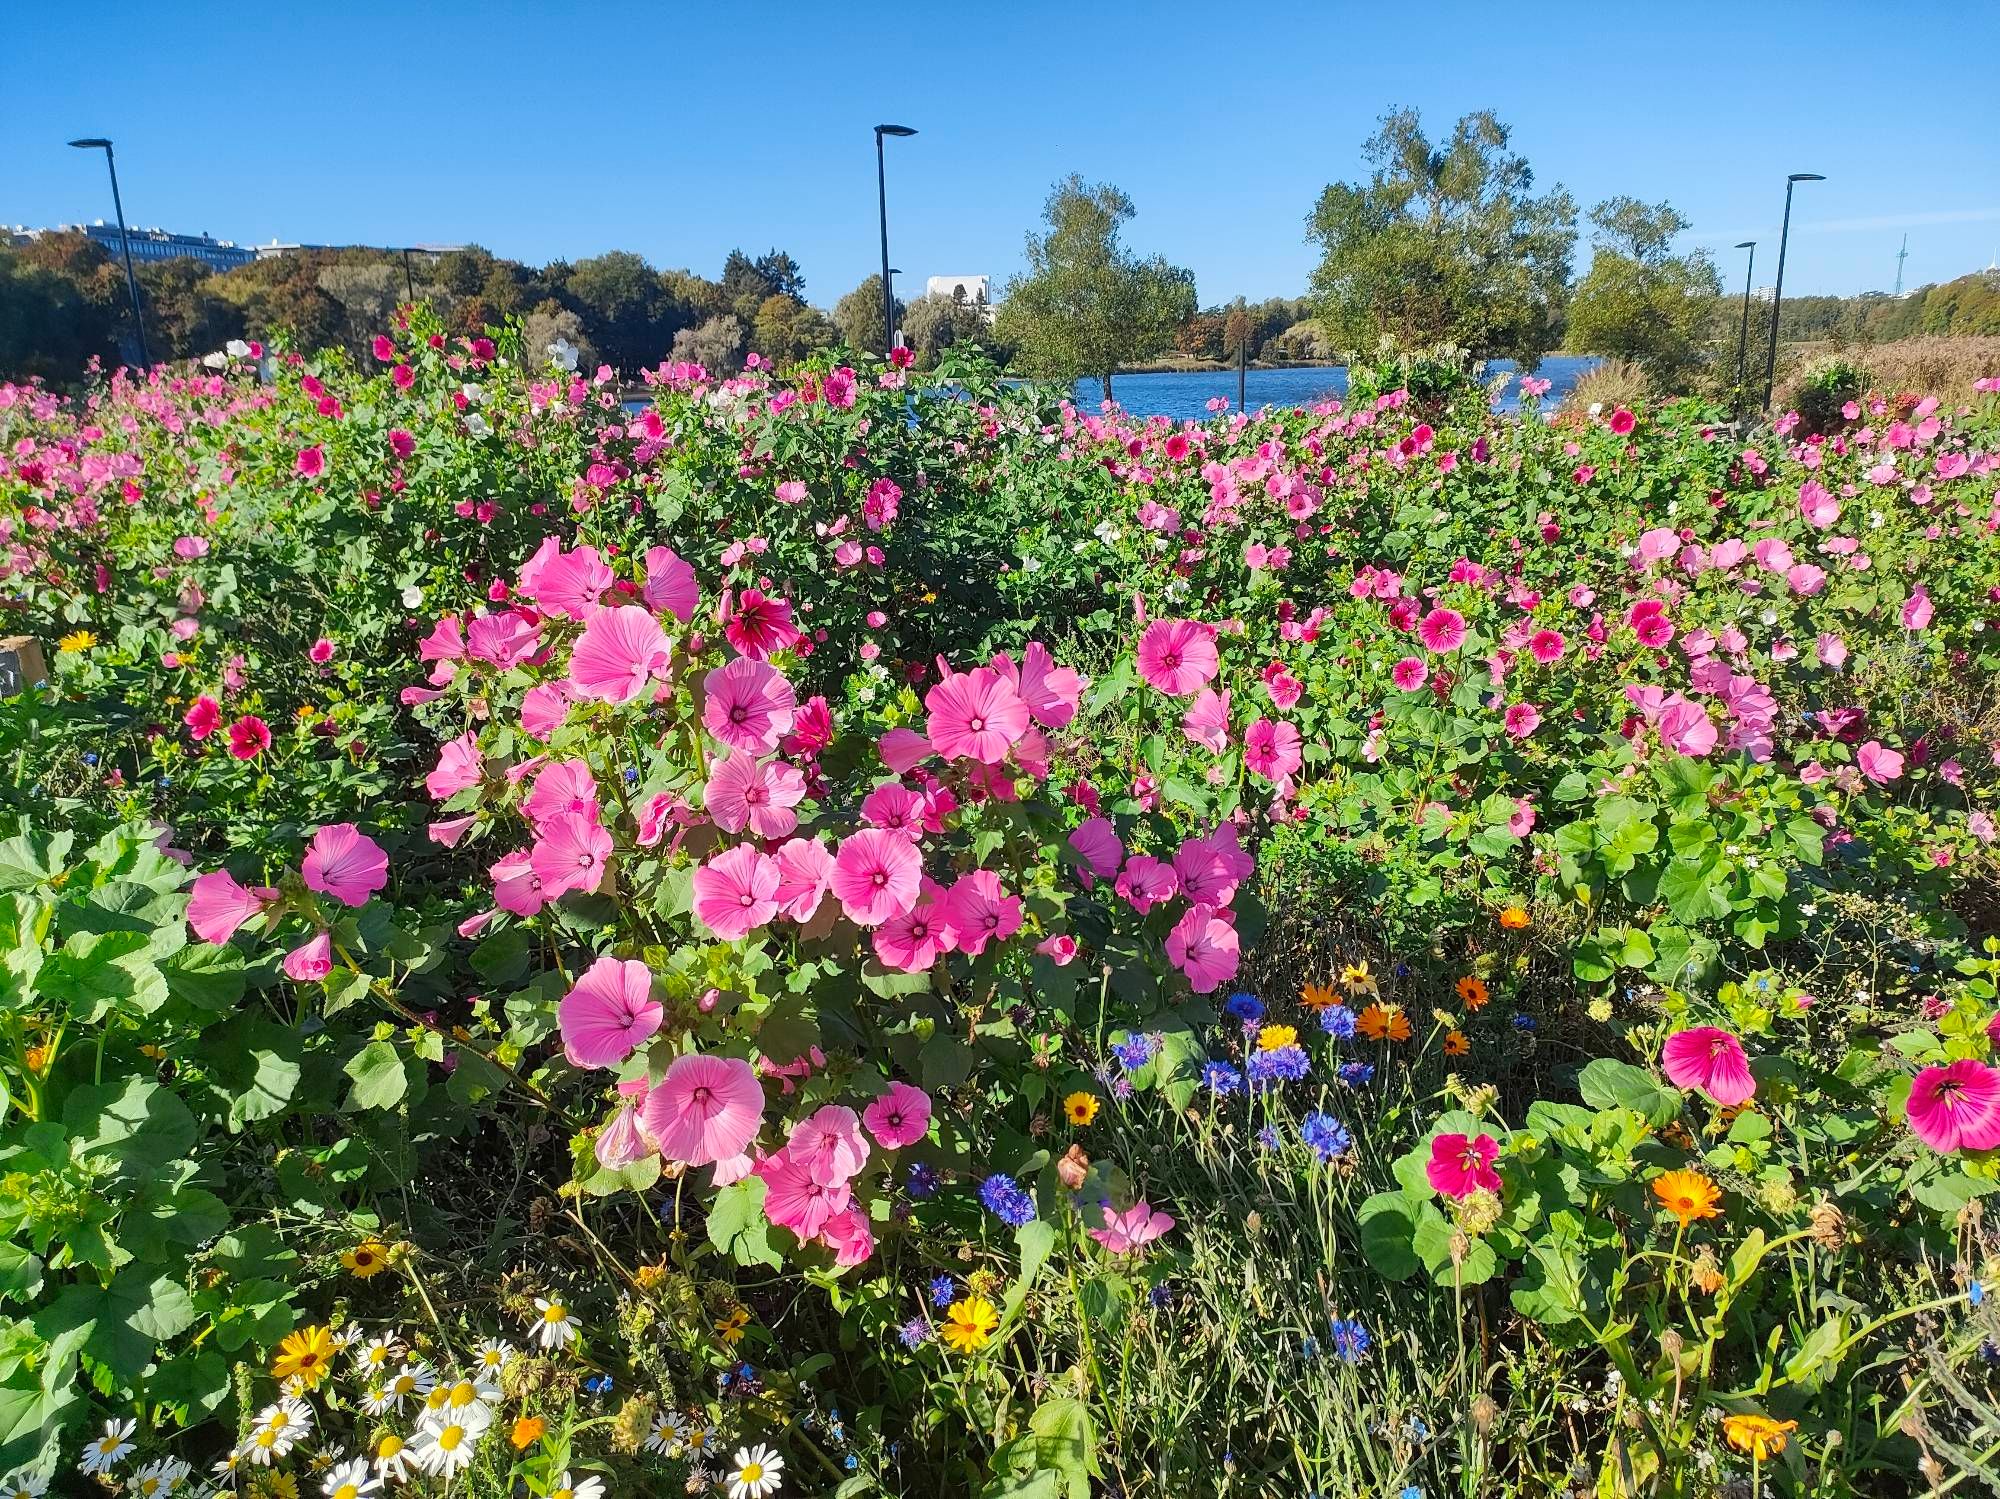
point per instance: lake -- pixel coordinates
(1186, 393)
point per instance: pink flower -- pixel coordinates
(504, 640)
(345, 863)
(848, 1232)
(896, 807)
(1271, 749)
(805, 874)
(1060, 948)
(218, 905)
(1146, 882)
(1461, 1165)
(1622, 421)
(748, 705)
(1956, 1107)
(1817, 505)
(979, 910)
(744, 792)
(564, 786)
(203, 718)
(1442, 631)
(311, 462)
(568, 583)
(900, 1117)
(902, 750)
(1050, 691)
(1546, 646)
(1712, 1060)
(975, 715)
(249, 737)
(1522, 719)
(829, 1144)
(705, 1109)
(1686, 728)
(1204, 947)
(1178, 656)
(401, 443)
(569, 854)
(670, 585)
(610, 1013)
(620, 651)
(911, 941)
(1132, 1229)
(320, 651)
(1878, 762)
(1211, 868)
(875, 876)
(310, 961)
(736, 892)
(623, 1142)
(1096, 843)
(793, 1199)
(1410, 673)
(758, 625)
(1917, 609)
(516, 886)
(459, 767)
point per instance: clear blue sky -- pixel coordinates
(679, 131)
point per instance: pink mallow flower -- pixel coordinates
(736, 892)
(705, 1109)
(1178, 656)
(1204, 947)
(1463, 1164)
(1133, 1229)
(1712, 1060)
(1956, 1106)
(829, 1144)
(217, 905)
(311, 961)
(975, 715)
(747, 792)
(875, 875)
(900, 1117)
(795, 1199)
(748, 705)
(610, 1013)
(345, 863)
(569, 854)
(621, 650)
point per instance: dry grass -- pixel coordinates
(1931, 366)
(1610, 383)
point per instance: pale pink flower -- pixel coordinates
(805, 874)
(1096, 842)
(459, 767)
(1146, 882)
(622, 649)
(1050, 691)
(1206, 721)
(912, 941)
(311, 961)
(736, 892)
(705, 1109)
(516, 886)
(979, 910)
(670, 585)
(569, 583)
(217, 905)
(345, 863)
(850, 1236)
(743, 791)
(563, 786)
(609, 1013)
(569, 854)
(794, 1199)
(829, 1144)
(1878, 762)
(1133, 1229)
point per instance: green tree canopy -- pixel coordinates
(1444, 242)
(858, 316)
(1641, 301)
(1086, 304)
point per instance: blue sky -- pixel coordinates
(680, 131)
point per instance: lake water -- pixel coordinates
(1186, 393)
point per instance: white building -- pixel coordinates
(976, 290)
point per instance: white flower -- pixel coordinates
(473, 392)
(413, 596)
(556, 1328)
(412, 1381)
(448, 1447)
(1596, 408)
(377, 1400)
(592, 1487)
(562, 354)
(494, 1355)
(24, 1486)
(758, 1472)
(392, 1458)
(477, 425)
(453, 1401)
(670, 1429)
(379, 1353)
(278, 1430)
(107, 1451)
(228, 1466)
(236, 349)
(350, 1480)
(215, 361)
(157, 1479)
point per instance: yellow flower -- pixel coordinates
(1688, 1195)
(969, 1324)
(1759, 1436)
(929, 597)
(366, 1259)
(1316, 996)
(76, 643)
(1080, 1108)
(730, 1328)
(269, 1485)
(528, 1431)
(1356, 979)
(1271, 1037)
(37, 1058)
(305, 1355)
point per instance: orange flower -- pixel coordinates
(1688, 1195)
(1316, 996)
(528, 1431)
(1472, 991)
(1514, 919)
(1455, 1044)
(1384, 1021)
(1759, 1436)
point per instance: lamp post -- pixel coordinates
(1743, 334)
(1778, 287)
(882, 204)
(409, 279)
(96, 143)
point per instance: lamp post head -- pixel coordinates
(92, 143)
(894, 130)
(1748, 244)
(1806, 177)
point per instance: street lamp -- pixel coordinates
(1778, 287)
(1743, 334)
(882, 203)
(95, 143)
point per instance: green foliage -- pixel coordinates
(1641, 301)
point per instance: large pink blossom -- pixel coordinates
(670, 585)
(1178, 656)
(748, 705)
(1146, 882)
(1271, 749)
(1463, 1164)
(503, 640)
(1204, 947)
(975, 715)
(736, 892)
(563, 786)
(1096, 843)
(621, 650)
(912, 941)
(1878, 762)
(829, 1144)
(795, 1199)
(458, 768)
(345, 863)
(570, 853)
(1710, 1059)
(1206, 721)
(757, 625)
(609, 1013)
(217, 905)
(1442, 631)
(900, 1117)
(705, 1109)
(979, 910)
(1050, 691)
(516, 886)
(567, 583)
(875, 876)
(1956, 1106)
(805, 874)
(744, 791)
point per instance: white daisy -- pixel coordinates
(696, 1439)
(377, 1400)
(592, 1487)
(556, 1328)
(230, 1464)
(379, 1354)
(413, 1381)
(448, 1446)
(24, 1486)
(351, 1480)
(493, 1355)
(455, 1399)
(670, 1429)
(392, 1458)
(157, 1479)
(279, 1429)
(105, 1452)
(759, 1471)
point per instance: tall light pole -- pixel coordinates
(882, 203)
(1778, 287)
(1743, 334)
(95, 143)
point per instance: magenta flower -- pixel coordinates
(1957, 1106)
(794, 1199)
(1271, 749)
(504, 640)
(829, 1144)
(1878, 762)
(979, 910)
(900, 1117)
(1410, 673)
(670, 585)
(1546, 646)
(705, 1109)
(569, 854)
(459, 767)
(311, 961)
(875, 875)
(736, 892)
(1178, 656)
(1442, 631)
(621, 650)
(609, 1013)
(1522, 719)
(217, 905)
(1204, 947)
(911, 941)
(345, 863)
(758, 625)
(1685, 727)
(1211, 868)
(1133, 1229)
(249, 737)
(1146, 882)
(1096, 843)
(1206, 721)
(311, 462)
(1461, 1164)
(745, 792)
(975, 715)
(1712, 1060)
(748, 705)
(203, 718)
(320, 651)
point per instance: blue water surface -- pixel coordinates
(1181, 394)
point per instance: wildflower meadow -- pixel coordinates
(867, 932)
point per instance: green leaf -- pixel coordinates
(135, 1123)
(207, 977)
(1388, 1234)
(1610, 1084)
(20, 1273)
(737, 1225)
(254, 1067)
(379, 1079)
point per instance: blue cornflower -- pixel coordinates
(1356, 1074)
(1350, 1340)
(1338, 1022)
(1975, 1293)
(1281, 1064)
(944, 1291)
(1412, 1492)
(1268, 1137)
(1161, 1296)
(1309, 1347)
(1245, 1006)
(1006, 1200)
(598, 1384)
(1327, 1136)
(1524, 1022)
(923, 1180)
(1989, 1350)
(631, 776)
(851, 1463)
(165, 782)
(1135, 1052)
(1220, 1077)
(90, 758)
(1402, 970)
(914, 1332)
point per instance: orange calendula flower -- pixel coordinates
(527, 1431)
(1688, 1195)
(1384, 1022)
(1271, 1037)
(1317, 996)
(1472, 992)
(1456, 1044)
(1759, 1436)
(1514, 919)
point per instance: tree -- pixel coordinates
(1086, 304)
(624, 308)
(547, 322)
(782, 273)
(786, 330)
(49, 326)
(858, 316)
(1443, 243)
(1641, 301)
(932, 324)
(185, 315)
(745, 287)
(1200, 337)
(717, 345)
